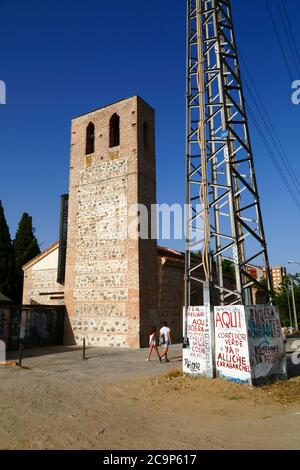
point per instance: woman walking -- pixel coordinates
(152, 344)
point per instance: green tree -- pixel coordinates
(228, 268)
(26, 248)
(7, 259)
(281, 299)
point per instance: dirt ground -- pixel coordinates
(63, 407)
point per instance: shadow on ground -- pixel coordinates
(42, 351)
(293, 357)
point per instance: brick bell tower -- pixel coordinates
(111, 279)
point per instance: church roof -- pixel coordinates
(169, 252)
(39, 257)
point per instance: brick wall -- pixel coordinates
(40, 286)
(107, 288)
(171, 294)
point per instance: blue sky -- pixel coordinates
(62, 59)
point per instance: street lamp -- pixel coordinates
(293, 262)
(293, 295)
(289, 304)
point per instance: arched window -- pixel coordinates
(90, 139)
(146, 134)
(114, 131)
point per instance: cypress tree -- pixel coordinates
(26, 248)
(7, 259)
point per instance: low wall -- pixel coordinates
(41, 326)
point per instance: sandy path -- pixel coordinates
(66, 409)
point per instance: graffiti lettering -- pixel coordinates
(228, 319)
(265, 354)
(197, 325)
(233, 361)
(260, 330)
(192, 366)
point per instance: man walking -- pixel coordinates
(165, 340)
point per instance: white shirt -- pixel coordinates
(165, 330)
(152, 340)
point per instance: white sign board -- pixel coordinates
(232, 350)
(266, 346)
(198, 356)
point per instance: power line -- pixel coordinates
(288, 34)
(271, 152)
(271, 130)
(279, 41)
(290, 30)
(273, 157)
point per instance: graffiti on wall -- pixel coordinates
(232, 354)
(248, 343)
(197, 357)
(266, 346)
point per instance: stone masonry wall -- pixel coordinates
(147, 248)
(103, 277)
(40, 287)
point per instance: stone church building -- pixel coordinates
(114, 287)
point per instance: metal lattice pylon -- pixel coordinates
(221, 189)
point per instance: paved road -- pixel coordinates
(112, 364)
(121, 364)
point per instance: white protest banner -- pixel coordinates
(198, 357)
(232, 351)
(266, 346)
